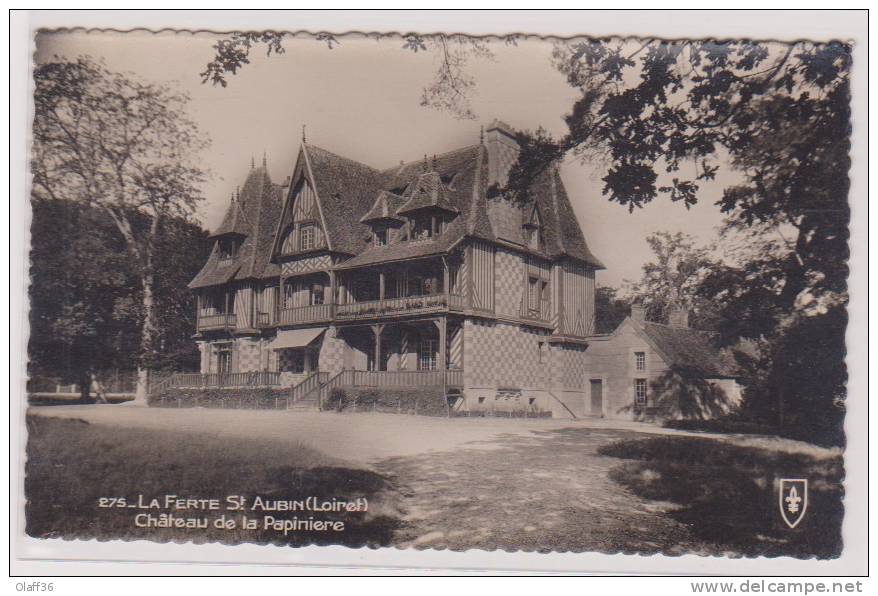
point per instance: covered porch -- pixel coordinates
(430, 285)
(423, 345)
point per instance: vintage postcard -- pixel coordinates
(422, 292)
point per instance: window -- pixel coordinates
(223, 354)
(306, 237)
(541, 349)
(292, 360)
(427, 353)
(640, 360)
(420, 285)
(228, 247)
(422, 228)
(316, 297)
(534, 237)
(289, 296)
(640, 392)
(533, 293)
(381, 237)
(544, 291)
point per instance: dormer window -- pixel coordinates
(422, 228)
(227, 248)
(380, 237)
(533, 230)
(534, 237)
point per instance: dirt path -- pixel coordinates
(361, 438)
(543, 485)
(543, 492)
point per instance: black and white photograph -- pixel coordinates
(436, 291)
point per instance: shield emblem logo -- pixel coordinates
(793, 500)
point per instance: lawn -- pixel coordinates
(514, 485)
(73, 464)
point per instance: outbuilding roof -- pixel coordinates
(689, 350)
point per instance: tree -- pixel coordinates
(79, 273)
(451, 87)
(125, 147)
(609, 309)
(84, 317)
(672, 281)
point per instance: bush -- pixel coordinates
(426, 401)
(722, 425)
(256, 398)
(336, 400)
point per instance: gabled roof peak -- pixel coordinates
(427, 191)
(385, 207)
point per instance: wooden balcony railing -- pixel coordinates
(220, 321)
(399, 306)
(240, 379)
(542, 313)
(406, 378)
(317, 313)
(390, 378)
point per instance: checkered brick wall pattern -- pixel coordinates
(249, 354)
(332, 352)
(504, 355)
(509, 282)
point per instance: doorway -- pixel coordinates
(597, 398)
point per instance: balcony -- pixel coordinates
(317, 313)
(218, 321)
(394, 307)
(541, 313)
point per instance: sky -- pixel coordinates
(362, 100)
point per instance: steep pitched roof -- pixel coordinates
(427, 191)
(258, 208)
(234, 221)
(398, 252)
(385, 207)
(562, 232)
(689, 350)
(346, 189)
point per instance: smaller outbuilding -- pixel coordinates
(653, 371)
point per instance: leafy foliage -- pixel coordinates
(85, 314)
(672, 281)
(125, 147)
(450, 90)
(609, 309)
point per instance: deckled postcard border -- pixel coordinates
(31, 554)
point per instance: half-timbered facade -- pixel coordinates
(423, 273)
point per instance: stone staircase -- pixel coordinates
(306, 395)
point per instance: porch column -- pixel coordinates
(441, 357)
(381, 285)
(278, 299)
(376, 330)
(445, 278)
(332, 287)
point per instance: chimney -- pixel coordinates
(679, 318)
(638, 313)
(502, 151)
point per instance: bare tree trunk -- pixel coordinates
(85, 388)
(149, 331)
